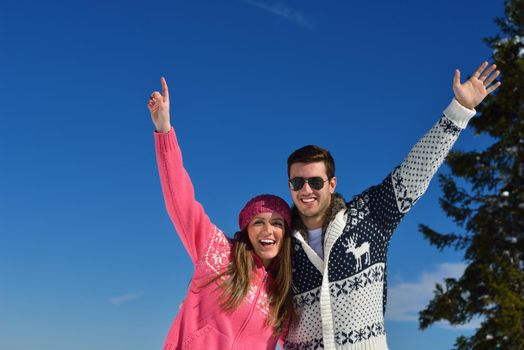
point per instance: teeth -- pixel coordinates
(308, 200)
(267, 241)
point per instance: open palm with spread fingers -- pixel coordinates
(472, 92)
(158, 105)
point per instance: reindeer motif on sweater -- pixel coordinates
(358, 252)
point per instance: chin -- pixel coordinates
(267, 255)
(310, 212)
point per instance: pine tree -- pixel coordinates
(484, 195)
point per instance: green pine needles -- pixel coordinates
(490, 209)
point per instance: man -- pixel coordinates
(340, 248)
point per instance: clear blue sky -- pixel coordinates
(88, 256)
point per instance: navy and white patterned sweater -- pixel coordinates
(340, 301)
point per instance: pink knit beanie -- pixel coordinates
(262, 204)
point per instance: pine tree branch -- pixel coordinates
(441, 241)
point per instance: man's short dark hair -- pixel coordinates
(312, 154)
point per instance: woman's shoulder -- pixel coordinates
(217, 255)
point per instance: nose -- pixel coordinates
(268, 227)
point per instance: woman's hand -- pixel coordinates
(158, 105)
(472, 92)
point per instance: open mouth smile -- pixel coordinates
(307, 200)
(267, 242)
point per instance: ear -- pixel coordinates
(332, 184)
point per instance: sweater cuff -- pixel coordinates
(165, 142)
(459, 114)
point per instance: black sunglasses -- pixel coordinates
(316, 183)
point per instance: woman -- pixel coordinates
(238, 297)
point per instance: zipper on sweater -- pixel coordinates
(255, 302)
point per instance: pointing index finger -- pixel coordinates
(165, 91)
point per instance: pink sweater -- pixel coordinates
(201, 323)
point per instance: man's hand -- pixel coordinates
(158, 105)
(472, 92)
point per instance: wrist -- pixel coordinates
(465, 105)
(458, 113)
(164, 129)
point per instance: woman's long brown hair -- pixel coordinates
(235, 280)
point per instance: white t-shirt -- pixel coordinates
(315, 241)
